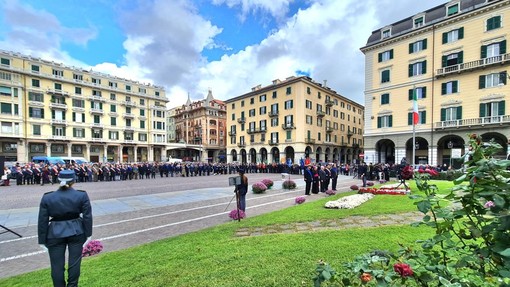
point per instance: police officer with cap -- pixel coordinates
(65, 222)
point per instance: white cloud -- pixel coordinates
(277, 8)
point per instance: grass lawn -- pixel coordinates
(215, 257)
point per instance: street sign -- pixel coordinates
(456, 153)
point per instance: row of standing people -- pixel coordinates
(318, 177)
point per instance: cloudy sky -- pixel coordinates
(190, 46)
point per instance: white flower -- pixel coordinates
(349, 202)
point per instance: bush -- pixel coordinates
(370, 183)
(354, 187)
(236, 214)
(330, 192)
(289, 184)
(269, 183)
(258, 188)
(300, 199)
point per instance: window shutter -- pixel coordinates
(490, 24)
(42, 113)
(391, 54)
(502, 47)
(423, 117)
(410, 94)
(101, 106)
(443, 89)
(423, 92)
(379, 58)
(483, 53)
(502, 77)
(424, 44)
(424, 67)
(411, 48)
(443, 115)
(390, 121)
(482, 110)
(481, 82)
(53, 114)
(461, 33)
(63, 116)
(409, 119)
(378, 122)
(455, 86)
(501, 108)
(53, 130)
(445, 37)
(74, 132)
(460, 58)
(410, 70)
(459, 113)
(496, 23)
(30, 111)
(64, 131)
(91, 105)
(443, 61)
(74, 117)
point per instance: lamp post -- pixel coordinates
(450, 146)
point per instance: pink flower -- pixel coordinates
(300, 199)
(92, 248)
(237, 214)
(403, 269)
(489, 204)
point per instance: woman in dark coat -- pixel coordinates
(65, 222)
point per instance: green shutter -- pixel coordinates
(501, 108)
(502, 77)
(443, 115)
(410, 70)
(409, 119)
(74, 132)
(424, 44)
(490, 24)
(443, 88)
(64, 131)
(481, 82)
(91, 105)
(483, 52)
(455, 86)
(42, 113)
(411, 48)
(378, 122)
(74, 117)
(460, 58)
(497, 22)
(443, 61)
(63, 116)
(502, 47)
(379, 57)
(423, 92)
(391, 54)
(482, 110)
(423, 118)
(390, 121)
(101, 106)
(53, 114)
(445, 37)
(30, 112)
(459, 113)
(424, 67)
(410, 94)
(461, 33)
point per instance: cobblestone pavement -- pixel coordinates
(332, 224)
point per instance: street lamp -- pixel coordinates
(450, 146)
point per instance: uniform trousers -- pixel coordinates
(57, 249)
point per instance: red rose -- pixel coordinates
(403, 269)
(365, 277)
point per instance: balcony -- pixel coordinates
(129, 141)
(272, 142)
(478, 64)
(97, 125)
(97, 140)
(242, 144)
(113, 114)
(251, 131)
(96, 111)
(273, 113)
(329, 129)
(262, 129)
(58, 122)
(130, 104)
(128, 115)
(329, 103)
(129, 129)
(309, 141)
(34, 103)
(232, 133)
(350, 134)
(59, 138)
(97, 98)
(320, 114)
(475, 122)
(57, 92)
(355, 145)
(62, 106)
(288, 126)
(241, 120)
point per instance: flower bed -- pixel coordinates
(269, 183)
(330, 192)
(354, 187)
(384, 190)
(258, 187)
(300, 199)
(92, 248)
(349, 202)
(289, 184)
(236, 214)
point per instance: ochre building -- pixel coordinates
(291, 120)
(50, 109)
(454, 59)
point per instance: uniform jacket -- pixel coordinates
(59, 214)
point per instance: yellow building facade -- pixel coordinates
(294, 119)
(50, 109)
(453, 58)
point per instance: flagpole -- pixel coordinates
(415, 110)
(414, 145)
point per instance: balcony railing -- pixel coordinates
(128, 115)
(329, 129)
(241, 120)
(97, 139)
(288, 126)
(273, 113)
(350, 134)
(309, 141)
(251, 131)
(62, 138)
(96, 111)
(58, 106)
(241, 144)
(262, 129)
(482, 63)
(97, 98)
(97, 125)
(232, 133)
(57, 92)
(473, 122)
(127, 129)
(329, 103)
(321, 113)
(58, 122)
(272, 142)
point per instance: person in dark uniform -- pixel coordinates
(65, 222)
(242, 190)
(308, 179)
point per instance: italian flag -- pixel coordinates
(416, 115)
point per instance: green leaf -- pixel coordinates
(505, 253)
(326, 275)
(460, 179)
(426, 218)
(424, 206)
(499, 201)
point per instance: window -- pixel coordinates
(36, 83)
(113, 108)
(309, 104)
(77, 90)
(308, 90)
(274, 109)
(36, 130)
(78, 133)
(142, 113)
(451, 114)
(319, 107)
(289, 121)
(57, 73)
(385, 99)
(97, 119)
(113, 121)
(274, 122)
(5, 62)
(274, 137)
(275, 95)
(418, 68)
(421, 93)
(57, 86)
(449, 87)
(493, 23)
(492, 80)
(422, 117)
(142, 102)
(309, 119)
(128, 88)
(319, 122)
(263, 125)
(289, 104)
(242, 103)
(453, 35)
(233, 117)
(252, 101)
(289, 91)
(77, 77)
(452, 10)
(78, 117)
(418, 22)
(418, 46)
(156, 93)
(113, 135)
(452, 59)
(112, 85)
(142, 90)
(37, 113)
(58, 131)
(35, 69)
(385, 76)
(262, 98)
(385, 121)
(113, 97)
(96, 81)
(492, 109)
(385, 33)
(289, 135)
(493, 50)
(6, 108)
(262, 110)
(251, 113)
(385, 56)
